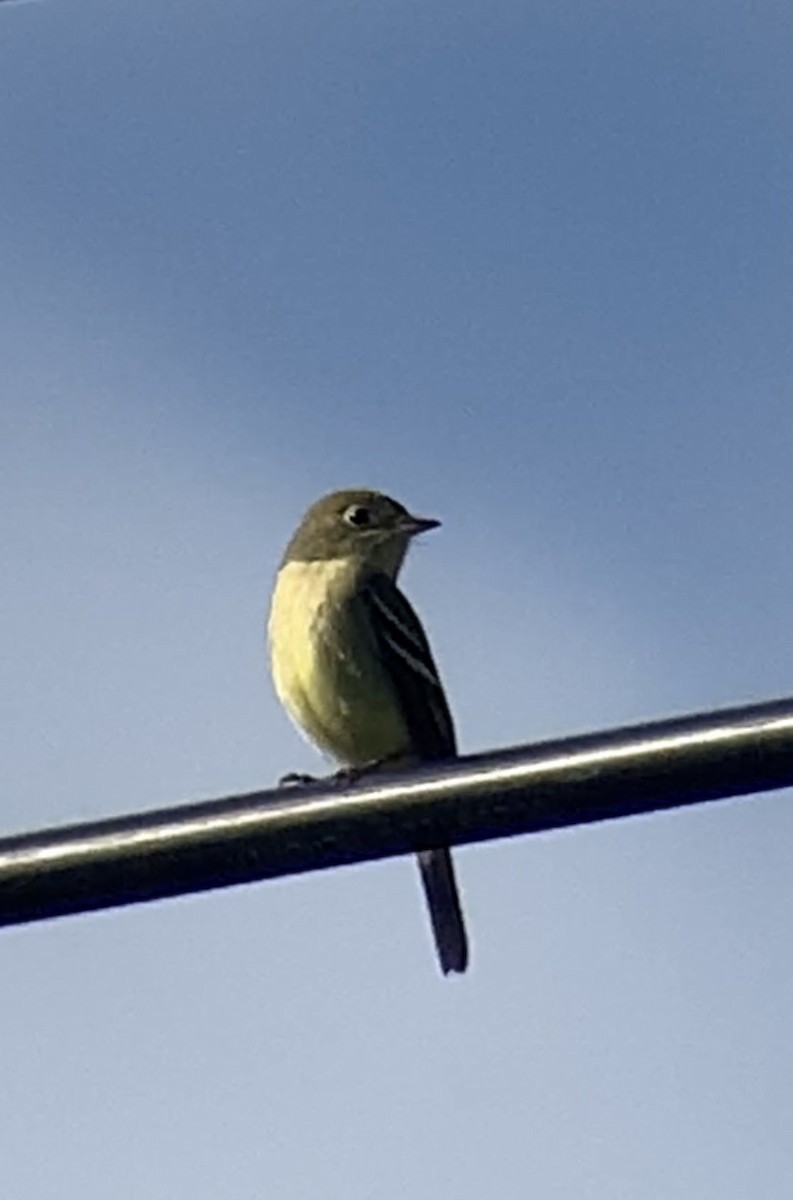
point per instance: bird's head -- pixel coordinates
(357, 523)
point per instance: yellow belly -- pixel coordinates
(332, 685)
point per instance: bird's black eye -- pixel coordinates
(357, 515)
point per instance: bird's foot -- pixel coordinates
(347, 774)
(353, 774)
(344, 775)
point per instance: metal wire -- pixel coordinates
(217, 843)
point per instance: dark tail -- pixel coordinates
(446, 914)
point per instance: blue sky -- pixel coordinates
(528, 267)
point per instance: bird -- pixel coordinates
(352, 666)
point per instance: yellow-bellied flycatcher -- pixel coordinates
(352, 665)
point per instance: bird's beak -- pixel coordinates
(415, 525)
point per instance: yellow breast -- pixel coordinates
(325, 667)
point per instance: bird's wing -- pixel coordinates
(407, 658)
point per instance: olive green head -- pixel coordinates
(356, 523)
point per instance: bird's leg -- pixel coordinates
(344, 774)
(353, 774)
(347, 774)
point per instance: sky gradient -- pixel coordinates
(528, 268)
